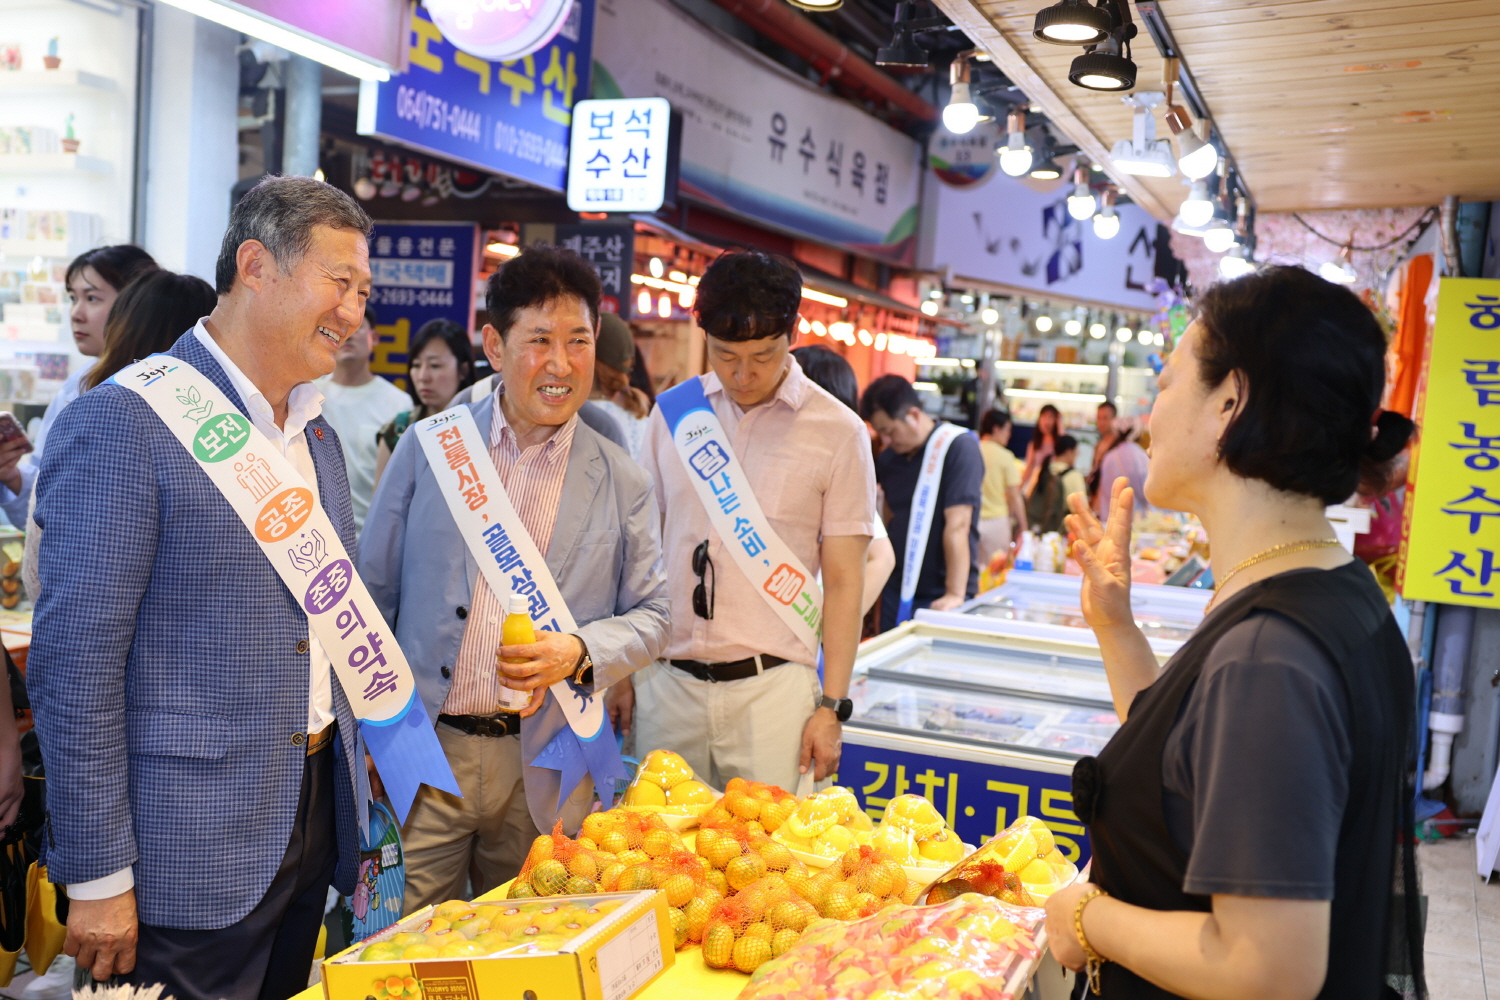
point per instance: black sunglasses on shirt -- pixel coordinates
(703, 596)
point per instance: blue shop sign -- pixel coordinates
(508, 118)
(421, 271)
(977, 799)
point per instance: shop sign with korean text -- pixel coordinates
(618, 160)
(757, 140)
(421, 271)
(368, 28)
(1450, 546)
(610, 249)
(510, 117)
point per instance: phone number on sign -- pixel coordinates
(411, 297)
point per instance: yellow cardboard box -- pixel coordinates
(613, 960)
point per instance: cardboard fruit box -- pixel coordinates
(613, 959)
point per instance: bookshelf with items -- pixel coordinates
(68, 142)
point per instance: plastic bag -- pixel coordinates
(1021, 865)
(965, 949)
(761, 921)
(665, 783)
(826, 824)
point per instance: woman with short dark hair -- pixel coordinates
(1251, 819)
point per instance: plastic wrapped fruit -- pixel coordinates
(914, 813)
(666, 784)
(762, 921)
(928, 842)
(1022, 865)
(458, 929)
(826, 824)
(966, 949)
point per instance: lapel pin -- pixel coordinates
(319, 432)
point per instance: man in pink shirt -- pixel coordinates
(737, 691)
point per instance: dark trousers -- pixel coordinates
(268, 954)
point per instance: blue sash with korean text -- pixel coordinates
(511, 563)
(781, 579)
(276, 506)
(923, 508)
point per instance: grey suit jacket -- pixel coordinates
(605, 555)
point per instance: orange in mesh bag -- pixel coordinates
(858, 884)
(558, 865)
(965, 949)
(739, 856)
(761, 921)
(760, 807)
(618, 831)
(683, 878)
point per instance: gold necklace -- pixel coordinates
(1276, 550)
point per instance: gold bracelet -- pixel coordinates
(1092, 960)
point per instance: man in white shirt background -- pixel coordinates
(358, 403)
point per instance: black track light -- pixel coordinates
(1107, 65)
(1072, 22)
(904, 51)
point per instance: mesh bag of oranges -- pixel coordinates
(665, 784)
(826, 824)
(759, 922)
(857, 885)
(1022, 866)
(760, 807)
(558, 865)
(967, 949)
(682, 877)
(738, 856)
(621, 831)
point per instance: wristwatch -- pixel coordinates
(841, 707)
(583, 673)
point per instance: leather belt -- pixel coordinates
(737, 670)
(502, 724)
(321, 741)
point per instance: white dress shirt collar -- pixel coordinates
(304, 403)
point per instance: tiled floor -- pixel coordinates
(1463, 923)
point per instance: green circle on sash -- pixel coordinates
(221, 437)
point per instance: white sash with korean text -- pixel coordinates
(923, 510)
(498, 541)
(291, 528)
(781, 579)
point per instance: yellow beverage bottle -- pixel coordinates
(516, 631)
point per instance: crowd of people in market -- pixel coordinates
(207, 741)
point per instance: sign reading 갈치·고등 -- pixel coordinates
(1451, 536)
(618, 156)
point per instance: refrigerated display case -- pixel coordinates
(1045, 606)
(987, 726)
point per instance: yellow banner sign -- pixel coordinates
(1451, 535)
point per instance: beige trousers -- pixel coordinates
(749, 728)
(482, 838)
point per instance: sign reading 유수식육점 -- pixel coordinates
(618, 158)
(1451, 538)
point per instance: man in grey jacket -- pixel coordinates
(591, 512)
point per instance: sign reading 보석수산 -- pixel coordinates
(421, 271)
(509, 117)
(618, 159)
(977, 799)
(293, 531)
(1450, 549)
(610, 248)
(759, 141)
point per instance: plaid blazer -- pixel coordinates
(168, 670)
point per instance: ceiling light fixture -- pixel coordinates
(961, 113)
(1044, 323)
(1236, 263)
(1081, 203)
(989, 316)
(1196, 157)
(904, 52)
(278, 33)
(929, 308)
(1072, 328)
(1072, 22)
(1199, 207)
(1123, 334)
(1047, 170)
(1107, 65)
(1224, 232)
(1107, 223)
(1144, 155)
(816, 6)
(1015, 155)
(1340, 271)
(1097, 331)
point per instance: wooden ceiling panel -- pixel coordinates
(1323, 103)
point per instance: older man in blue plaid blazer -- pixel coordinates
(203, 764)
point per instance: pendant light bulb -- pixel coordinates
(961, 113)
(1199, 207)
(1219, 239)
(1199, 158)
(1107, 223)
(1236, 263)
(1340, 271)
(1016, 156)
(1081, 203)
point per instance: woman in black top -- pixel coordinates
(1247, 820)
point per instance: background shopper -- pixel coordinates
(949, 573)
(1002, 511)
(738, 693)
(442, 363)
(1125, 458)
(93, 280)
(147, 318)
(1058, 480)
(613, 392)
(358, 403)
(1289, 712)
(1042, 446)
